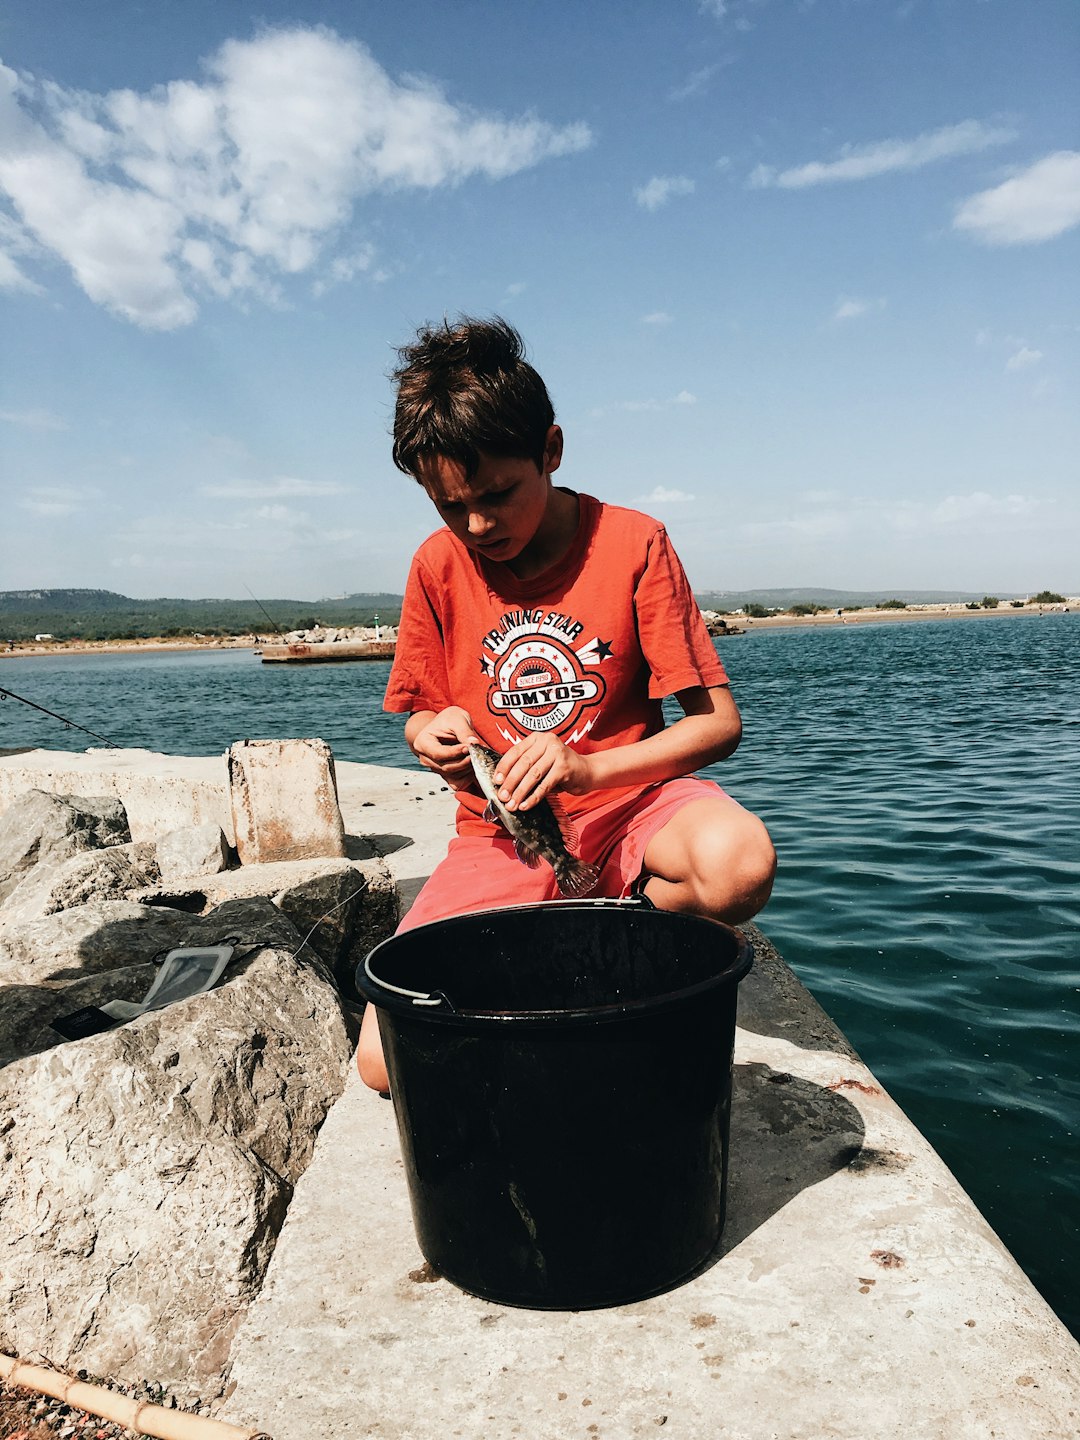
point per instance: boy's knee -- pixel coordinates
(369, 1053)
(734, 868)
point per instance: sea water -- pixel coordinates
(922, 784)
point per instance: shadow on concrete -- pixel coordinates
(786, 1135)
(374, 847)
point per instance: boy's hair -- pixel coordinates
(467, 389)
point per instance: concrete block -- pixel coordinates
(283, 796)
(193, 850)
(158, 792)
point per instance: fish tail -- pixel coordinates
(575, 877)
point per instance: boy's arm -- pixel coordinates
(710, 730)
(438, 741)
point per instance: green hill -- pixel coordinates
(70, 614)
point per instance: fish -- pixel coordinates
(541, 833)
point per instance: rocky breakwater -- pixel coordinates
(145, 1170)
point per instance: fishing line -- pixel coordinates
(266, 612)
(358, 891)
(71, 724)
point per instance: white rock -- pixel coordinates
(145, 1172)
(98, 875)
(38, 827)
(194, 850)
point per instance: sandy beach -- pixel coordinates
(123, 647)
(867, 616)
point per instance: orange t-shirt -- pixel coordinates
(587, 650)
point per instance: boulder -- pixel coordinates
(87, 940)
(343, 907)
(73, 958)
(145, 1172)
(194, 850)
(98, 875)
(29, 1010)
(38, 827)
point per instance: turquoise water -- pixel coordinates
(922, 783)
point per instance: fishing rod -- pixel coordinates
(266, 612)
(71, 724)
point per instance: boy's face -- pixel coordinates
(503, 508)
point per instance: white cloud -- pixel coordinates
(864, 521)
(853, 309)
(281, 515)
(156, 199)
(650, 406)
(978, 505)
(1024, 359)
(716, 8)
(344, 268)
(54, 501)
(695, 84)
(12, 278)
(863, 162)
(34, 419)
(660, 190)
(661, 495)
(282, 487)
(1036, 204)
(656, 317)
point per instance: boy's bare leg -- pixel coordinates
(369, 1056)
(712, 858)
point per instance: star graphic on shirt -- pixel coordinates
(486, 667)
(603, 649)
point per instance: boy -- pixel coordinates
(550, 627)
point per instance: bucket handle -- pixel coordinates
(418, 997)
(436, 997)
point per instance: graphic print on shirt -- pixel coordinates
(543, 679)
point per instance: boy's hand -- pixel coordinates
(440, 745)
(530, 770)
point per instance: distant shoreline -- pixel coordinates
(868, 616)
(956, 611)
(122, 647)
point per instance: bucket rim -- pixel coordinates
(437, 1006)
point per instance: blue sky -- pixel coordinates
(801, 275)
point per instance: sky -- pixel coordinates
(802, 277)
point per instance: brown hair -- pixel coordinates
(466, 389)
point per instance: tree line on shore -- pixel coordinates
(103, 615)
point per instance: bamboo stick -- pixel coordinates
(137, 1415)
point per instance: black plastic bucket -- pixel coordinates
(561, 1075)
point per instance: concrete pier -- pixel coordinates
(858, 1292)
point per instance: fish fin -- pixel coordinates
(525, 855)
(576, 878)
(566, 826)
(491, 815)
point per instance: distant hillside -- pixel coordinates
(781, 599)
(104, 615)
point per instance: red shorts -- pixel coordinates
(483, 872)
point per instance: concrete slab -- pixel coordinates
(858, 1293)
(159, 792)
